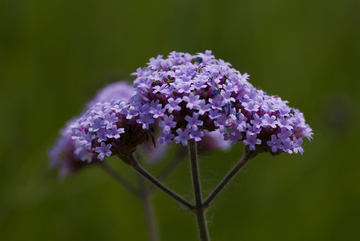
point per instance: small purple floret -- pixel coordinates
(103, 151)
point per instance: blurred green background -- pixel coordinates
(54, 55)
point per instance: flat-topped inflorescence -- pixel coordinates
(191, 94)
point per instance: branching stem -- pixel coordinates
(243, 160)
(146, 201)
(120, 179)
(157, 183)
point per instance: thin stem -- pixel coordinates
(145, 197)
(120, 179)
(172, 164)
(167, 170)
(195, 173)
(243, 160)
(199, 210)
(154, 181)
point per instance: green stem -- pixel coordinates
(172, 164)
(243, 160)
(143, 193)
(199, 208)
(132, 161)
(120, 179)
(146, 201)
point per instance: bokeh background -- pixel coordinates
(55, 55)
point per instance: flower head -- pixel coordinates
(120, 136)
(118, 90)
(97, 132)
(69, 156)
(201, 94)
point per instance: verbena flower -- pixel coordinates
(214, 140)
(70, 162)
(91, 137)
(106, 129)
(82, 140)
(194, 94)
(118, 90)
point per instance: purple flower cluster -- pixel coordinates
(63, 154)
(118, 90)
(94, 135)
(109, 128)
(183, 97)
(191, 94)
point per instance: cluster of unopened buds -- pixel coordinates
(180, 99)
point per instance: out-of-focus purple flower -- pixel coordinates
(153, 155)
(121, 138)
(68, 155)
(213, 140)
(202, 94)
(101, 126)
(119, 90)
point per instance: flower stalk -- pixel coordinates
(120, 179)
(135, 164)
(146, 200)
(241, 163)
(199, 209)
